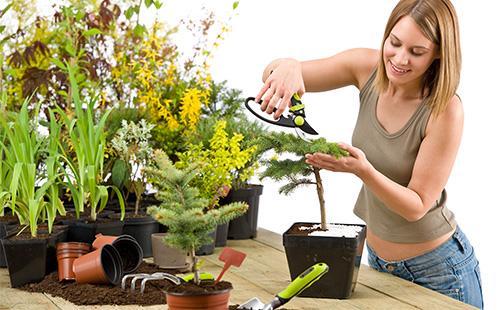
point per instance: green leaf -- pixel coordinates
(70, 49)
(80, 15)
(2, 28)
(58, 63)
(119, 173)
(91, 32)
(148, 3)
(129, 12)
(158, 4)
(235, 4)
(139, 30)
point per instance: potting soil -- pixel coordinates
(94, 294)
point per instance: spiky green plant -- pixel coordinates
(295, 171)
(182, 210)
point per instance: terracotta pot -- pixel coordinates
(129, 250)
(217, 300)
(167, 257)
(103, 265)
(67, 252)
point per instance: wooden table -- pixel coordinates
(263, 274)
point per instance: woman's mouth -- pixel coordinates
(397, 69)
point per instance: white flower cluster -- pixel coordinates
(131, 142)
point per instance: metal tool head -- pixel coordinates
(255, 304)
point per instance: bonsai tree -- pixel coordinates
(295, 171)
(131, 144)
(186, 214)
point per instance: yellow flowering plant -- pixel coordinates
(221, 158)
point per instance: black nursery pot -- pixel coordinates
(245, 226)
(28, 260)
(141, 228)
(7, 225)
(82, 230)
(208, 248)
(342, 254)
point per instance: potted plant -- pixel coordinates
(133, 151)
(227, 104)
(31, 169)
(338, 245)
(84, 160)
(189, 220)
(222, 156)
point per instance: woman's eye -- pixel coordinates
(396, 44)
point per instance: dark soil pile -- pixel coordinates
(91, 294)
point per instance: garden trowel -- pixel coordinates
(295, 119)
(303, 281)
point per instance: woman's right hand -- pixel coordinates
(282, 78)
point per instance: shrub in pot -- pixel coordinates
(338, 245)
(189, 220)
(133, 150)
(226, 103)
(221, 155)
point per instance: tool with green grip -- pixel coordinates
(295, 119)
(300, 283)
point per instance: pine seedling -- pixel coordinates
(186, 214)
(295, 172)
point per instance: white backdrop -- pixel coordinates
(264, 30)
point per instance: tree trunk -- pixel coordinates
(321, 197)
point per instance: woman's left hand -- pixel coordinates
(356, 163)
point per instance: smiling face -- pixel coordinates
(407, 53)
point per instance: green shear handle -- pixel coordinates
(300, 283)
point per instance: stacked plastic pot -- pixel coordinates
(106, 261)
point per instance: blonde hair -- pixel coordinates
(438, 21)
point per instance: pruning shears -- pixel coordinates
(295, 119)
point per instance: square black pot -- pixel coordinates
(341, 254)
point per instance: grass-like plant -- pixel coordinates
(186, 214)
(23, 149)
(87, 142)
(295, 171)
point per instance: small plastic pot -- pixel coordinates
(103, 265)
(67, 252)
(129, 250)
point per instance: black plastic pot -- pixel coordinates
(342, 254)
(221, 235)
(141, 228)
(85, 231)
(27, 260)
(7, 225)
(245, 226)
(208, 248)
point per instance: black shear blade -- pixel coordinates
(308, 129)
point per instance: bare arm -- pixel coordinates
(290, 76)
(430, 174)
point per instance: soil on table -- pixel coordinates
(101, 294)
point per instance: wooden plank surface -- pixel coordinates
(263, 274)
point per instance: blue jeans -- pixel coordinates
(451, 269)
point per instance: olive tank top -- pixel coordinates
(394, 156)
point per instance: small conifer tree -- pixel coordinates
(187, 215)
(295, 171)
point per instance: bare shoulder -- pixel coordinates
(363, 64)
(451, 118)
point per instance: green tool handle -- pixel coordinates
(303, 281)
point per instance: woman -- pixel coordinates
(405, 142)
